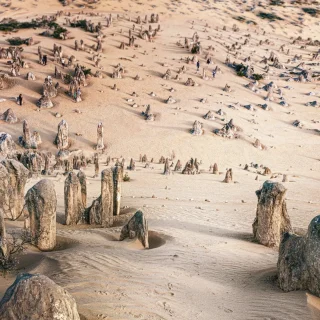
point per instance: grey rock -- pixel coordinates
(272, 219)
(37, 297)
(137, 226)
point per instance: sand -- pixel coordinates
(202, 262)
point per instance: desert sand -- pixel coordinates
(202, 262)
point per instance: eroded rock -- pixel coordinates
(137, 227)
(41, 203)
(37, 297)
(272, 219)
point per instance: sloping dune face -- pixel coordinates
(153, 99)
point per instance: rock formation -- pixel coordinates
(197, 129)
(14, 193)
(267, 171)
(74, 208)
(117, 177)
(257, 144)
(41, 203)
(191, 167)
(4, 184)
(178, 166)
(49, 89)
(9, 116)
(7, 145)
(32, 160)
(215, 169)
(209, 115)
(100, 144)
(136, 227)
(298, 262)
(45, 102)
(229, 130)
(229, 176)
(37, 297)
(28, 141)
(62, 138)
(272, 219)
(132, 165)
(83, 182)
(101, 210)
(167, 170)
(190, 83)
(96, 165)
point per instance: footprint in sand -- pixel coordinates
(102, 293)
(103, 316)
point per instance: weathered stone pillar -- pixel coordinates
(107, 195)
(26, 138)
(100, 144)
(272, 219)
(46, 170)
(4, 183)
(14, 201)
(62, 138)
(178, 166)
(132, 165)
(167, 170)
(74, 209)
(117, 177)
(96, 165)
(229, 176)
(83, 182)
(41, 203)
(101, 210)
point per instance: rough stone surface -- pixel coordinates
(100, 144)
(9, 116)
(7, 145)
(101, 210)
(197, 129)
(37, 297)
(62, 138)
(41, 203)
(167, 169)
(272, 219)
(229, 176)
(4, 183)
(137, 226)
(117, 176)
(74, 208)
(83, 182)
(299, 260)
(45, 102)
(17, 178)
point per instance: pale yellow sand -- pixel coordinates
(203, 264)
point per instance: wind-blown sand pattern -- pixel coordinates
(202, 261)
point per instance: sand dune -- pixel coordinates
(202, 262)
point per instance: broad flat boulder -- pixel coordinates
(36, 297)
(137, 227)
(299, 260)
